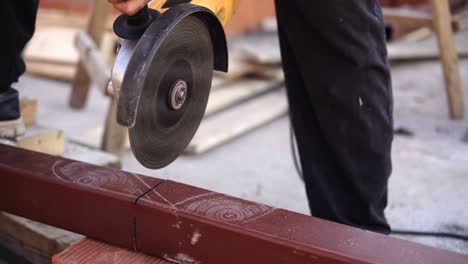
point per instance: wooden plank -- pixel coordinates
(53, 44)
(52, 142)
(55, 17)
(115, 136)
(263, 49)
(236, 92)
(51, 53)
(65, 18)
(28, 111)
(417, 35)
(80, 88)
(218, 82)
(91, 138)
(32, 240)
(91, 251)
(414, 17)
(51, 70)
(273, 73)
(448, 56)
(231, 124)
(96, 27)
(93, 61)
(254, 54)
(82, 153)
(426, 49)
(238, 67)
(43, 140)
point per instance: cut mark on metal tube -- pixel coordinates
(224, 208)
(134, 217)
(149, 190)
(99, 178)
(134, 234)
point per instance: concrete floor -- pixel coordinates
(428, 187)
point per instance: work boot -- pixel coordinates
(11, 123)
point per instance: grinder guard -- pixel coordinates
(131, 65)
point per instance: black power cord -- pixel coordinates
(429, 233)
(294, 151)
(408, 232)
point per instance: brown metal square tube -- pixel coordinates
(183, 223)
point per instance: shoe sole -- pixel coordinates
(12, 128)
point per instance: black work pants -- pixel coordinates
(340, 98)
(18, 18)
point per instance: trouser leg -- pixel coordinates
(17, 18)
(339, 91)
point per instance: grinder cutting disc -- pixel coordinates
(174, 95)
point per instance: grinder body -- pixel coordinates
(162, 76)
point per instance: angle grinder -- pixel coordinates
(162, 76)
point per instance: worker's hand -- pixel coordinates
(129, 7)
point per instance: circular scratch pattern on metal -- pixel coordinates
(99, 178)
(226, 209)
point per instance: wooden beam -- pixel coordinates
(28, 108)
(448, 57)
(37, 138)
(233, 123)
(93, 61)
(414, 17)
(47, 18)
(235, 93)
(114, 138)
(185, 224)
(426, 49)
(96, 28)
